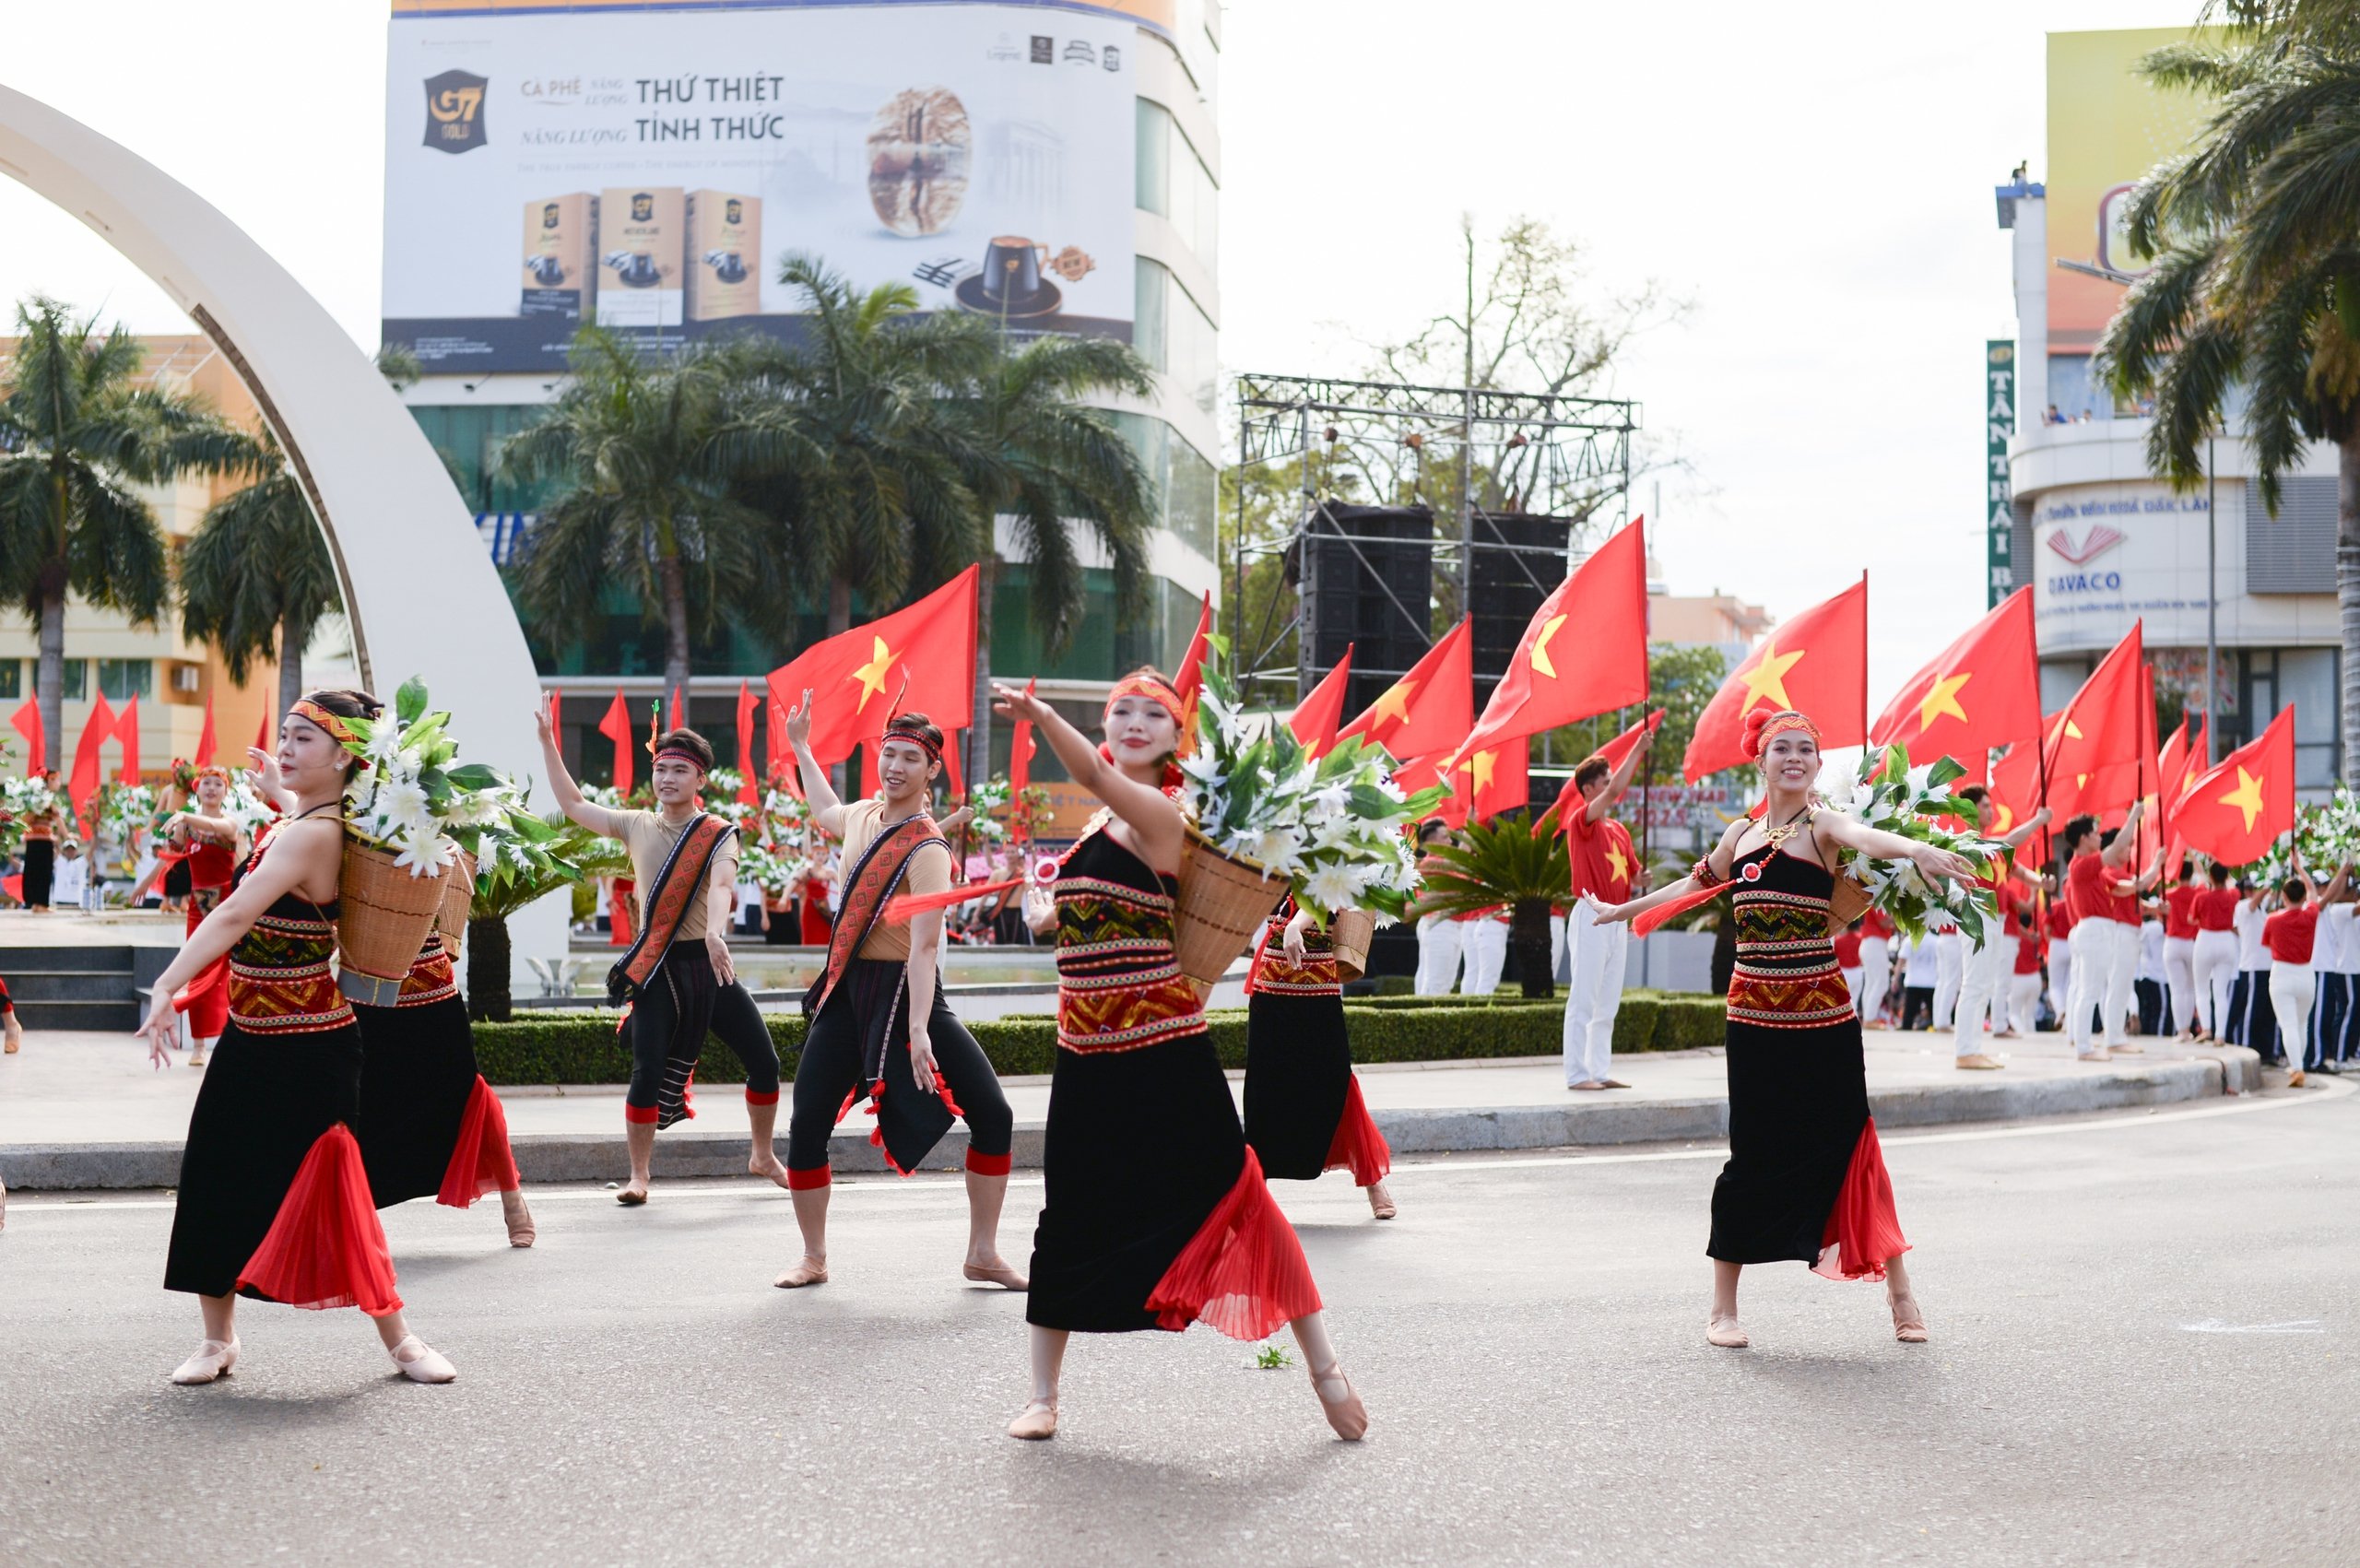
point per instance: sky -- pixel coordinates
(1817, 182)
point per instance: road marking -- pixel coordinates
(2214, 1326)
(873, 1187)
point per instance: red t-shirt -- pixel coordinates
(2289, 933)
(2012, 907)
(2027, 954)
(2060, 917)
(2216, 909)
(1603, 859)
(2179, 911)
(1876, 923)
(1847, 949)
(2088, 888)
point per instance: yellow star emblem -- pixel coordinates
(2065, 726)
(1394, 704)
(1614, 859)
(871, 675)
(1766, 680)
(1540, 646)
(2247, 797)
(1942, 699)
(1482, 768)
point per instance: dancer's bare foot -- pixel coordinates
(633, 1193)
(1978, 1062)
(1380, 1202)
(521, 1232)
(2100, 1055)
(768, 1166)
(1722, 1329)
(993, 1269)
(1589, 1083)
(1036, 1422)
(1909, 1323)
(2127, 1049)
(16, 1031)
(809, 1271)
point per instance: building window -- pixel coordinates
(122, 680)
(1186, 484)
(1174, 335)
(12, 679)
(1172, 182)
(75, 685)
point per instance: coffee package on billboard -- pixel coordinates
(561, 257)
(641, 241)
(725, 256)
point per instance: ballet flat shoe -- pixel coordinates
(423, 1363)
(1345, 1413)
(1726, 1333)
(808, 1271)
(1380, 1202)
(1036, 1423)
(212, 1359)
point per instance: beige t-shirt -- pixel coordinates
(649, 840)
(929, 872)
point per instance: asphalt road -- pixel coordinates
(2139, 1356)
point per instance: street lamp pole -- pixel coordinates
(2212, 601)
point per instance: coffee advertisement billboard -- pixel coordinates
(667, 158)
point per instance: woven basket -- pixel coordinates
(1351, 935)
(1848, 902)
(384, 916)
(458, 894)
(1224, 899)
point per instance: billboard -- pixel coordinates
(2106, 129)
(646, 167)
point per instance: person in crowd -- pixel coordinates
(1920, 967)
(1486, 941)
(72, 876)
(1942, 937)
(2179, 949)
(2290, 936)
(2214, 954)
(1304, 1116)
(206, 844)
(1604, 860)
(2023, 936)
(12, 1033)
(2105, 898)
(1441, 937)
(1005, 911)
(2059, 932)
(2151, 1003)
(1847, 962)
(1983, 965)
(2252, 1022)
(1876, 967)
(2338, 937)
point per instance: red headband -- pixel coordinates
(933, 751)
(1159, 692)
(339, 730)
(1763, 724)
(676, 748)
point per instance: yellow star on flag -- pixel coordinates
(1766, 681)
(871, 675)
(1540, 646)
(1394, 704)
(1482, 767)
(2247, 797)
(1942, 699)
(1614, 859)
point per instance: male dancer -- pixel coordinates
(1985, 966)
(2180, 950)
(2105, 930)
(677, 974)
(1603, 863)
(1441, 937)
(879, 1025)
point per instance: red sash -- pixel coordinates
(868, 887)
(678, 885)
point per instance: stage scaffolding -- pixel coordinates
(1478, 453)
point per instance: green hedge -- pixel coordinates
(582, 1048)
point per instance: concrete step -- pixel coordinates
(111, 1016)
(68, 985)
(91, 960)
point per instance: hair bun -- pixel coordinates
(1750, 744)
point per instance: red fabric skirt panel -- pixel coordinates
(481, 1161)
(1243, 1273)
(325, 1249)
(1359, 1145)
(1863, 1229)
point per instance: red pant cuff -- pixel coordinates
(806, 1181)
(754, 1099)
(990, 1164)
(646, 1114)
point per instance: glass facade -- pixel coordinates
(1186, 484)
(1174, 335)
(1174, 184)
(122, 680)
(75, 685)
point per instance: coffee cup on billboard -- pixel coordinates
(728, 266)
(548, 271)
(635, 269)
(1011, 283)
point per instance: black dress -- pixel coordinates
(1805, 1178)
(1304, 1110)
(273, 1199)
(1155, 1211)
(429, 1127)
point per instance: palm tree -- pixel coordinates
(256, 576)
(1029, 451)
(75, 436)
(1509, 861)
(2256, 282)
(651, 451)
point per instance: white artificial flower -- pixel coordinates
(1278, 850)
(402, 803)
(424, 851)
(1332, 887)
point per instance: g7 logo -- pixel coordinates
(455, 117)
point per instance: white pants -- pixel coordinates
(1594, 995)
(2215, 963)
(1557, 944)
(1949, 972)
(1439, 941)
(2105, 956)
(2291, 988)
(1876, 974)
(2061, 976)
(1487, 954)
(2024, 1002)
(1853, 977)
(1982, 989)
(2179, 979)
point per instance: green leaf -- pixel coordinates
(409, 702)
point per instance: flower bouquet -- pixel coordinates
(1895, 797)
(2327, 833)
(1265, 810)
(20, 800)
(988, 799)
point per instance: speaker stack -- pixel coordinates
(1359, 568)
(1508, 584)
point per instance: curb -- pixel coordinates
(558, 1157)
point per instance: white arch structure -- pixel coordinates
(375, 484)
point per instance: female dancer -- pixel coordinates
(206, 842)
(1805, 1178)
(1156, 1214)
(1303, 1113)
(273, 1198)
(41, 853)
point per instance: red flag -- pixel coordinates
(1191, 674)
(616, 727)
(1569, 800)
(267, 735)
(747, 793)
(1497, 778)
(1020, 749)
(926, 650)
(778, 757)
(206, 744)
(955, 782)
(28, 722)
(2176, 780)
(674, 722)
(1585, 651)
(127, 730)
(1315, 720)
(556, 712)
(96, 730)
(2235, 810)
(1424, 773)
(1431, 709)
(1816, 664)
(1981, 692)
(2096, 741)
